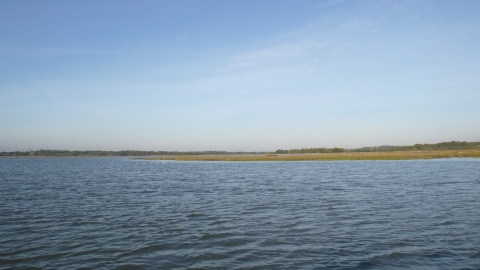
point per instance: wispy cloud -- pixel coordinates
(363, 25)
(274, 54)
(245, 81)
(292, 60)
(261, 69)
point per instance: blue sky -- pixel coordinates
(237, 75)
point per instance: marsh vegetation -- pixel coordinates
(385, 155)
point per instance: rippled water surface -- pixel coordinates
(118, 213)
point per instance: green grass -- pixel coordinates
(387, 155)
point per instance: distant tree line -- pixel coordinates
(453, 145)
(310, 150)
(67, 153)
(374, 148)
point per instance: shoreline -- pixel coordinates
(394, 155)
(379, 155)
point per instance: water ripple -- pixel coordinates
(90, 213)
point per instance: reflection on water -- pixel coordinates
(126, 214)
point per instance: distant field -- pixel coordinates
(389, 155)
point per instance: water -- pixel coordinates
(117, 213)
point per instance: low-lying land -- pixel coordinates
(417, 151)
(390, 155)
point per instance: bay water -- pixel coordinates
(122, 213)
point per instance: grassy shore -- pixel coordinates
(390, 155)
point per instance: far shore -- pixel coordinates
(384, 155)
(63, 156)
(377, 155)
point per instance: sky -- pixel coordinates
(237, 75)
